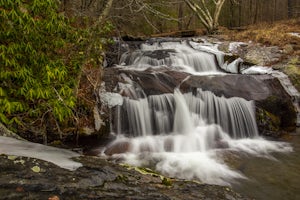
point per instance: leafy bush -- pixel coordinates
(41, 56)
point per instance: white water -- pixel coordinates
(192, 147)
(167, 113)
(176, 55)
(185, 135)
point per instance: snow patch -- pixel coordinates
(111, 99)
(57, 156)
(257, 70)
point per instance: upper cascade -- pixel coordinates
(184, 55)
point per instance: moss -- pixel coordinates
(293, 71)
(147, 171)
(122, 178)
(268, 123)
(166, 181)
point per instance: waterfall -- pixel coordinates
(182, 119)
(179, 113)
(176, 55)
(182, 134)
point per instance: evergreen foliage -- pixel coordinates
(41, 56)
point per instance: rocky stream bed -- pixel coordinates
(28, 178)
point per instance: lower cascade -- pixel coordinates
(180, 113)
(183, 135)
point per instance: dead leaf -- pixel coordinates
(36, 169)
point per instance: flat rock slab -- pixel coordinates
(27, 178)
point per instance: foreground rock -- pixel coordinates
(27, 178)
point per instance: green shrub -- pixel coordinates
(41, 56)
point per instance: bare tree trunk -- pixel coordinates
(240, 13)
(290, 13)
(106, 10)
(256, 11)
(180, 16)
(209, 18)
(219, 6)
(274, 11)
(232, 22)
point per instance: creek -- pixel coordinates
(180, 108)
(276, 177)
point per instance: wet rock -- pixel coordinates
(281, 108)
(98, 179)
(249, 87)
(268, 124)
(152, 81)
(117, 148)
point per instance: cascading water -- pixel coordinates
(183, 135)
(168, 113)
(176, 55)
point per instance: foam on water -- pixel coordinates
(196, 155)
(189, 149)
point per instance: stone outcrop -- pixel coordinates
(254, 53)
(27, 178)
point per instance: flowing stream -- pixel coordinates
(190, 135)
(275, 178)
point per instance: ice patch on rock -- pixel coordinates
(57, 156)
(257, 70)
(111, 99)
(233, 67)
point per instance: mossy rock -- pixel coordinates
(274, 114)
(268, 123)
(293, 71)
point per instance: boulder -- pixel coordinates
(254, 53)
